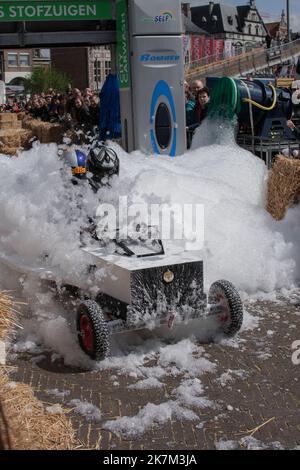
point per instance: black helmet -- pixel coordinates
(103, 162)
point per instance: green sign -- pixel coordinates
(48, 10)
(123, 45)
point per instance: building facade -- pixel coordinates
(278, 31)
(17, 64)
(243, 25)
(87, 67)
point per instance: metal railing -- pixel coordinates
(219, 57)
(247, 62)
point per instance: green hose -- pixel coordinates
(225, 101)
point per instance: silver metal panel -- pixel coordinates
(155, 17)
(133, 263)
(158, 77)
(114, 280)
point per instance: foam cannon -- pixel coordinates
(261, 108)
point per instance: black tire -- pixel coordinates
(225, 302)
(92, 331)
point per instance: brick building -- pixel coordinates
(86, 66)
(17, 64)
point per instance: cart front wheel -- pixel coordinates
(92, 331)
(225, 303)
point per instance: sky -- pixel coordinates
(271, 9)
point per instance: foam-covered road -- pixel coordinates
(242, 393)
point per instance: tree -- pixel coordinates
(42, 79)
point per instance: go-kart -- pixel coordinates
(139, 287)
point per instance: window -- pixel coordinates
(249, 29)
(230, 20)
(257, 30)
(107, 67)
(12, 59)
(97, 71)
(24, 60)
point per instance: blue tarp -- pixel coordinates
(110, 115)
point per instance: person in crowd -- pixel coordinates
(76, 93)
(38, 109)
(94, 110)
(16, 108)
(80, 113)
(294, 129)
(88, 93)
(190, 106)
(196, 86)
(202, 102)
(62, 106)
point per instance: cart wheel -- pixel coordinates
(92, 331)
(226, 304)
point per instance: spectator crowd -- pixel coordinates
(81, 108)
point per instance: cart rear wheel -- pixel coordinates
(92, 331)
(226, 304)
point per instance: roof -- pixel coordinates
(223, 18)
(272, 27)
(243, 12)
(191, 28)
(218, 21)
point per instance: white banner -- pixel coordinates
(186, 44)
(228, 49)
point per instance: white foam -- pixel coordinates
(149, 416)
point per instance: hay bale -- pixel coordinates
(29, 425)
(283, 186)
(25, 423)
(8, 117)
(45, 132)
(51, 133)
(7, 313)
(9, 151)
(11, 125)
(25, 139)
(10, 138)
(21, 116)
(7, 321)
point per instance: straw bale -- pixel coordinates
(25, 424)
(51, 133)
(25, 138)
(13, 139)
(30, 426)
(7, 313)
(26, 122)
(45, 132)
(10, 138)
(8, 117)
(10, 125)
(21, 116)
(283, 186)
(10, 151)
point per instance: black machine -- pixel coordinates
(263, 110)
